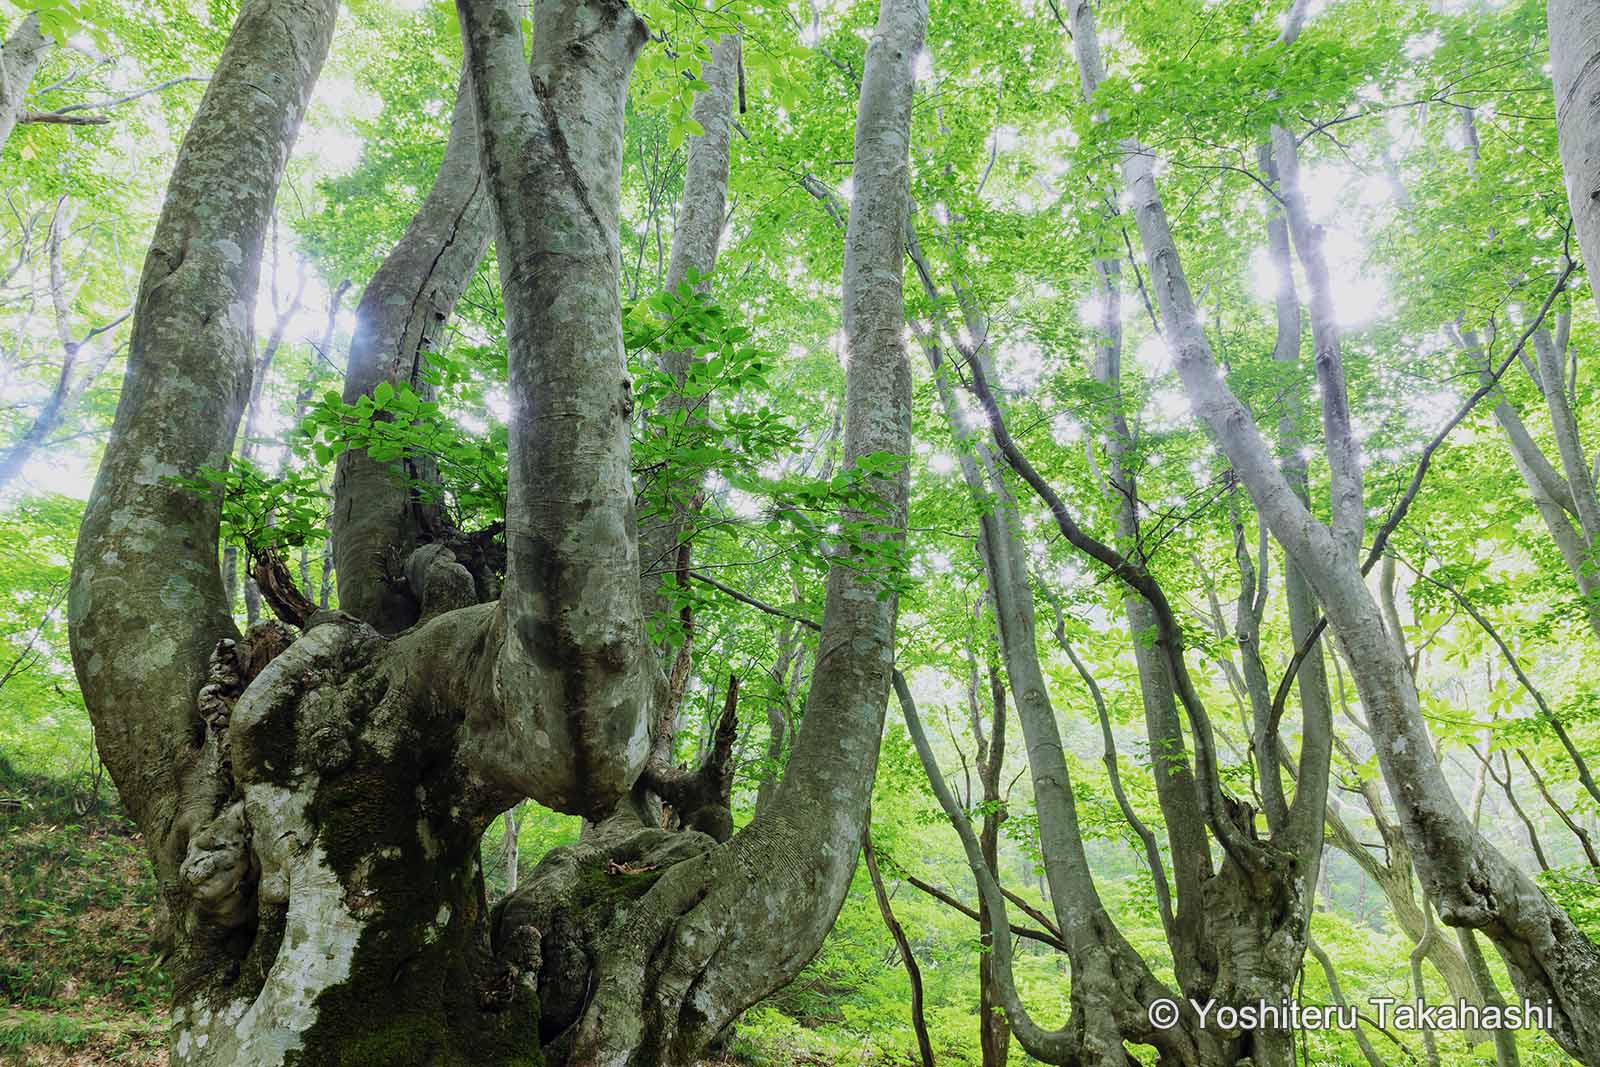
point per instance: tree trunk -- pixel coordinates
(1104, 967)
(1574, 30)
(1551, 496)
(919, 1022)
(20, 57)
(252, 602)
(146, 574)
(652, 1003)
(785, 679)
(378, 519)
(513, 858)
(1505, 1041)
(1394, 878)
(1111, 983)
(1563, 422)
(315, 805)
(994, 1031)
(147, 608)
(1430, 1041)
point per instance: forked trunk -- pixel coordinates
(314, 803)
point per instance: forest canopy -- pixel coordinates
(927, 531)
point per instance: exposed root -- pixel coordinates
(279, 590)
(548, 934)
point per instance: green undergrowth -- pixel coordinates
(79, 979)
(80, 984)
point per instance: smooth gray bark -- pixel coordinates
(1560, 500)
(1550, 358)
(1393, 875)
(575, 677)
(702, 212)
(796, 859)
(378, 520)
(146, 604)
(513, 857)
(1574, 29)
(20, 57)
(1505, 1041)
(1474, 885)
(1224, 941)
(1343, 450)
(1551, 496)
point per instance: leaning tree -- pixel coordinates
(313, 796)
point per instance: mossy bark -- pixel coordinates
(314, 805)
(357, 931)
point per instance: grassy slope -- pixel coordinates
(78, 977)
(80, 983)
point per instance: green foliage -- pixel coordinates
(1013, 175)
(78, 959)
(401, 427)
(43, 726)
(262, 512)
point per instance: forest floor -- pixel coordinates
(80, 980)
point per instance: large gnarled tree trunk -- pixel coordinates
(314, 803)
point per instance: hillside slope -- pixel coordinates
(79, 981)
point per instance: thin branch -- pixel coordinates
(759, 605)
(1044, 937)
(1403, 505)
(104, 105)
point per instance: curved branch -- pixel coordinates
(377, 520)
(1048, 936)
(147, 604)
(573, 668)
(69, 114)
(1152, 851)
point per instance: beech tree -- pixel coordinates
(314, 800)
(1473, 885)
(606, 404)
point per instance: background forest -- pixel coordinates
(1427, 164)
